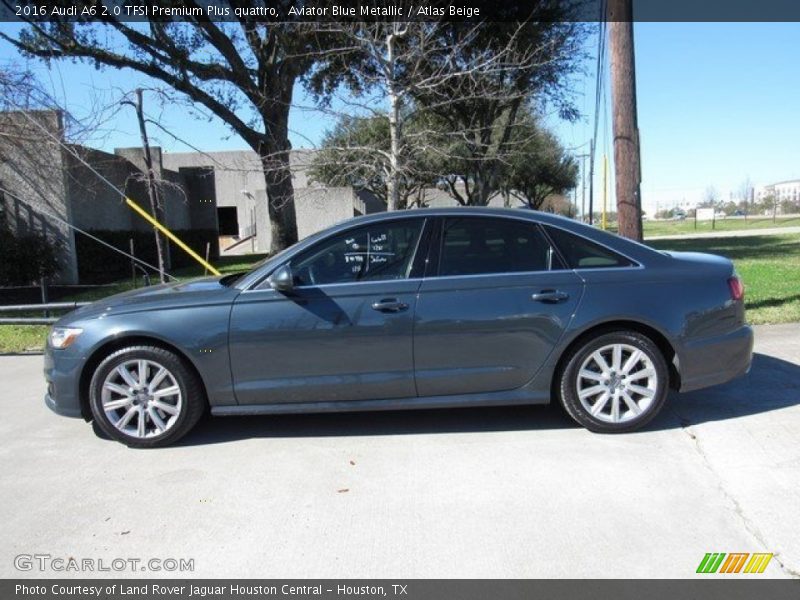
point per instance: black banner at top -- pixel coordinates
(393, 10)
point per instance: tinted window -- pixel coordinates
(374, 252)
(581, 253)
(472, 246)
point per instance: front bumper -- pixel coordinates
(714, 360)
(62, 373)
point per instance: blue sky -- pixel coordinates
(718, 103)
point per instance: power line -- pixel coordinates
(598, 94)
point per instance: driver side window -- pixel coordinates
(374, 252)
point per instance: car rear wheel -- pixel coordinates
(144, 397)
(614, 382)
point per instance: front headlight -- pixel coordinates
(61, 337)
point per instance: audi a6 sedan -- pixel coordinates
(414, 309)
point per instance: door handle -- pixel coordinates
(389, 305)
(550, 296)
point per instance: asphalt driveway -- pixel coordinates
(503, 492)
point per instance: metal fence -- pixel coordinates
(45, 319)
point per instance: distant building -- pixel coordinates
(783, 190)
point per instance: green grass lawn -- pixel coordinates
(687, 227)
(768, 264)
(22, 338)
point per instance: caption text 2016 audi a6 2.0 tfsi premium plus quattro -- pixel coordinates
(416, 309)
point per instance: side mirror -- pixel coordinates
(282, 279)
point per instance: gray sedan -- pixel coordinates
(416, 309)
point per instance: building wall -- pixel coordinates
(784, 190)
(94, 204)
(319, 208)
(33, 183)
(239, 181)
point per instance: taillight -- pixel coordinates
(737, 288)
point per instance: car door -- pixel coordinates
(344, 332)
(496, 305)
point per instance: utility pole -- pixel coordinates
(583, 158)
(627, 166)
(152, 190)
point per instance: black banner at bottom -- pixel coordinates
(411, 589)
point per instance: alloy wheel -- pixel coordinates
(141, 398)
(617, 383)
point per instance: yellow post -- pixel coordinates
(605, 189)
(170, 235)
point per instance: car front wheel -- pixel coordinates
(145, 396)
(614, 382)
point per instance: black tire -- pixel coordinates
(569, 380)
(193, 399)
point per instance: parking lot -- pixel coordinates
(502, 492)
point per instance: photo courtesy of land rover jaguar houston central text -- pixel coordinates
(413, 309)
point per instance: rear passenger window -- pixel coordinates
(473, 246)
(581, 253)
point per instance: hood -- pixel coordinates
(196, 292)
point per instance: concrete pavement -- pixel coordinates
(505, 492)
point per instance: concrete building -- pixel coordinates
(46, 187)
(237, 180)
(783, 190)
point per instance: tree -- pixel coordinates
(530, 66)
(538, 167)
(381, 63)
(710, 198)
(789, 206)
(745, 191)
(466, 81)
(244, 72)
(358, 152)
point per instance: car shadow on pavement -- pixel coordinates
(772, 384)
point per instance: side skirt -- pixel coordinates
(463, 400)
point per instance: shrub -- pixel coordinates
(25, 258)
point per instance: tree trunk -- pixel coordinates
(393, 184)
(274, 151)
(280, 198)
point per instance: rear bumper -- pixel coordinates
(714, 360)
